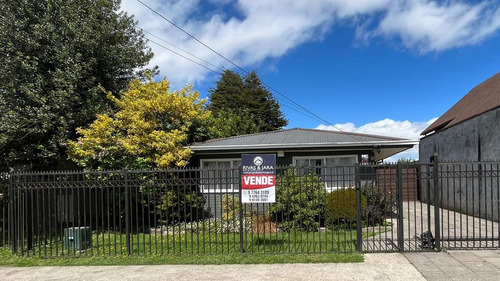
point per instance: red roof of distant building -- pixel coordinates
(484, 97)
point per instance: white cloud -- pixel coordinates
(387, 127)
(269, 29)
(430, 26)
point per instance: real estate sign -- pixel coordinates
(258, 178)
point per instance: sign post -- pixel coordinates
(258, 178)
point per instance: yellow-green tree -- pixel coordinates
(148, 130)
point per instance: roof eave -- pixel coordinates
(409, 143)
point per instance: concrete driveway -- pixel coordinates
(459, 231)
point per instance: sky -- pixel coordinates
(385, 67)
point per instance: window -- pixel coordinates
(335, 171)
(220, 175)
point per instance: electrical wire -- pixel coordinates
(243, 70)
(157, 37)
(209, 69)
(284, 103)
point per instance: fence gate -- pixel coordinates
(438, 206)
(408, 222)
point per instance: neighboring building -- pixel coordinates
(468, 131)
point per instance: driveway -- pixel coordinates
(459, 231)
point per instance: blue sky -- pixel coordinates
(385, 67)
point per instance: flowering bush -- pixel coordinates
(209, 226)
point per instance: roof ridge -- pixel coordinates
(302, 129)
(480, 99)
(354, 133)
(241, 136)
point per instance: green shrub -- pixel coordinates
(380, 204)
(340, 206)
(231, 208)
(299, 201)
(176, 201)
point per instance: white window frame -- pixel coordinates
(213, 185)
(330, 181)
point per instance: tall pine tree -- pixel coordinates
(246, 97)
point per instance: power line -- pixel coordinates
(283, 102)
(187, 33)
(157, 37)
(317, 117)
(231, 62)
(246, 72)
(209, 69)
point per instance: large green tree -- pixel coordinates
(247, 98)
(55, 54)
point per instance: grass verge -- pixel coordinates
(7, 259)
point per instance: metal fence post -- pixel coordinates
(359, 214)
(12, 222)
(127, 213)
(437, 202)
(242, 250)
(399, 187)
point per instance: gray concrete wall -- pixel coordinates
(468, 188)
(471, 188)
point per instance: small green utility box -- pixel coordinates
(77, 238)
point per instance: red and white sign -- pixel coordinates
(258, 179)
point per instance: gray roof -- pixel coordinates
(298, 138)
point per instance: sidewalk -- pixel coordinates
(390, 266)
(453, 265)
(458, 265)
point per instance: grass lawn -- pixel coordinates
(187, 243)
(109, 248)
(7, 259)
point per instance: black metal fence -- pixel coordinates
(370, 208)
(4, 210)
(470, 205)
(186, 211)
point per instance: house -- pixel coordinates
(469, 130)
(329, 154)
(299, 147)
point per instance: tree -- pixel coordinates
(55, 54)
(247, 98)
(148, 131)
(226, 124)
